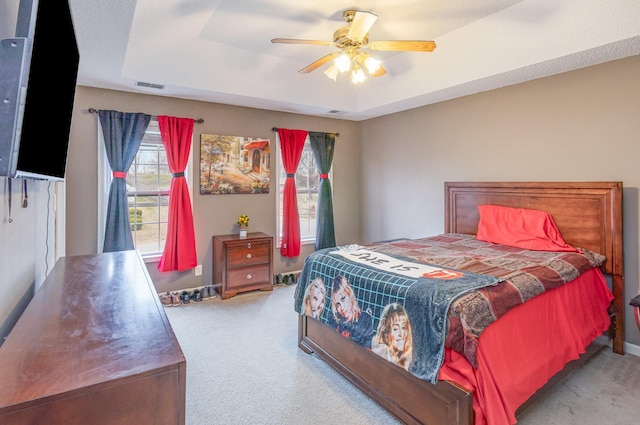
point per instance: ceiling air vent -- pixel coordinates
(150, 85)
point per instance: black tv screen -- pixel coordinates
(45, 79)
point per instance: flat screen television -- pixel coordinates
(38, 74)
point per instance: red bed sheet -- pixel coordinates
(536, 339)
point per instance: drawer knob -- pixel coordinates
(249, 255)
(249, 245)
(249, 277)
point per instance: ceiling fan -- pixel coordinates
(350, 40)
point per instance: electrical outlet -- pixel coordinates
(198, 270)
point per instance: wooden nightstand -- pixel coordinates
(242, 264)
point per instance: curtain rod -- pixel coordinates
(197, 121)
(276, 129)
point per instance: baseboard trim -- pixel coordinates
(16, 313)
(632, 349)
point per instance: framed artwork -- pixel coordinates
(234, 165)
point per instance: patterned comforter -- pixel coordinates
(407, 299)
(523, 273)
(394, 305)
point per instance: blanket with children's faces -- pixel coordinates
(397, 306)
(406, 300)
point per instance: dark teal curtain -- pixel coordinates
(123, 133)
(322, 145)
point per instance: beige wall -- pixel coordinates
(213, 214)
(582, 125)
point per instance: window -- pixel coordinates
(148, 185)
(307, 182)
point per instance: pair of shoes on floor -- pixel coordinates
(208, 292)
(196, 295)
(204, 292)
(170, 299)
(289, 279)
(165, 299)
(176, 298)
(185, 297)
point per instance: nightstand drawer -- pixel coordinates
(248, 254)
(247, 276)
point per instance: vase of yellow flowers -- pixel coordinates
(243, 222)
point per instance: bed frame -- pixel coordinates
(588, 214)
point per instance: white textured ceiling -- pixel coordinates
(221, 50)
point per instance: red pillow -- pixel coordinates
(522, 228)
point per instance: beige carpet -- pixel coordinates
(244, 367)
(606, 390)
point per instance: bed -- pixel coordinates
(588, 216)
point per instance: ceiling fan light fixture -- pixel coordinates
(332, 72)
(343, 62)
(358, 76)
(372, 64)
(361, 64)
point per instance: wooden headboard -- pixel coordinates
(588, 214)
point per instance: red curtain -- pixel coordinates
(180, 247)
(291, 145)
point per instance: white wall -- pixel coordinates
(27, 245)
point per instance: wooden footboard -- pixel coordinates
(412, 400)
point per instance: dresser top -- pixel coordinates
(96, 318)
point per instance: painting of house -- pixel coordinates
(234, 165)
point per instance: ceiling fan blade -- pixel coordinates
(299, 41)
(315, 65)
(361, 24)
(403, 45)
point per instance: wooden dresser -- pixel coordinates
(242, 264)
(94, 346)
